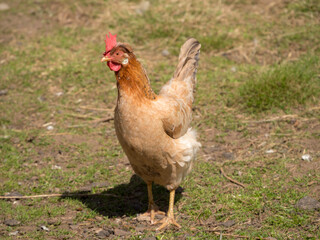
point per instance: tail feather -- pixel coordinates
(188, 60)
(183, 82)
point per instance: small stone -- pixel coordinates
(150, 238)
(58, 94)
(4, 6)
(306, 157)
(118, 220)
(143, 7)
(34, 178)
(270, 151)
(3, 92)
(11, 222)
(14, 194)
(41, 98)
(103, 233)
(140, 228)
(233, 69)
(308, 203)
(228, 155)
(43, 74)
(119, 232)
(53, 222)
(16, 140)
(44, 228)
(165, 53)
(55, 167)
(74, 227)
(50, 128)
(228, 223)
(85, 189)
(142, 217)
(13, 233)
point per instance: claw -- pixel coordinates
(169, 219)
(166, 222)
(152, 212)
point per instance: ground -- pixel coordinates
(256, 112)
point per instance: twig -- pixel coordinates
(60, 195)
(56, 134)
(232, 235)
(233, 49)
(77, 126)
(229, 235)
(281, 118)
(99, 120)
(80, 116)
(290, 34)
(230, 179)
(228, 51)
(86, 108)
(313, 108)
(96, 109)
(95, 119)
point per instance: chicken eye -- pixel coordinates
(117, 53)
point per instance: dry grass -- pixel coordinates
(51, 76)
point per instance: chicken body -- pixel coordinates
(154, 130)
(153, 154)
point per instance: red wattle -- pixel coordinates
(114, 66)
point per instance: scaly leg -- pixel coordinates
(153, 209)
(169, 219)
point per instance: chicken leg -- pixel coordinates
(153, 209)
(169, 219)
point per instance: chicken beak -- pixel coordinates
(105, 59)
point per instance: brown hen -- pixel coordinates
(154, 130)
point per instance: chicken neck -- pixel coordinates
(133, 81)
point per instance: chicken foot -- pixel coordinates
(153, 209)
(169, 219)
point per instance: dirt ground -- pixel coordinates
(106, 197)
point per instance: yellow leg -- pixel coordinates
(169, 219)
(153, 209)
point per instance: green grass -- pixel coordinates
(282, 87)
(254, 66)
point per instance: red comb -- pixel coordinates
(110, 42)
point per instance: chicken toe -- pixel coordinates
(169, 219)
(166, 222)
(153, 209)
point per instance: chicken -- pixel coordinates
(154, 130)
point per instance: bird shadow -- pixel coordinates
(127, 199)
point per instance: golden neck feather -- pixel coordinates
(133, 81)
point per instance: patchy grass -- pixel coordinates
(259, 62)
(284, 86)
